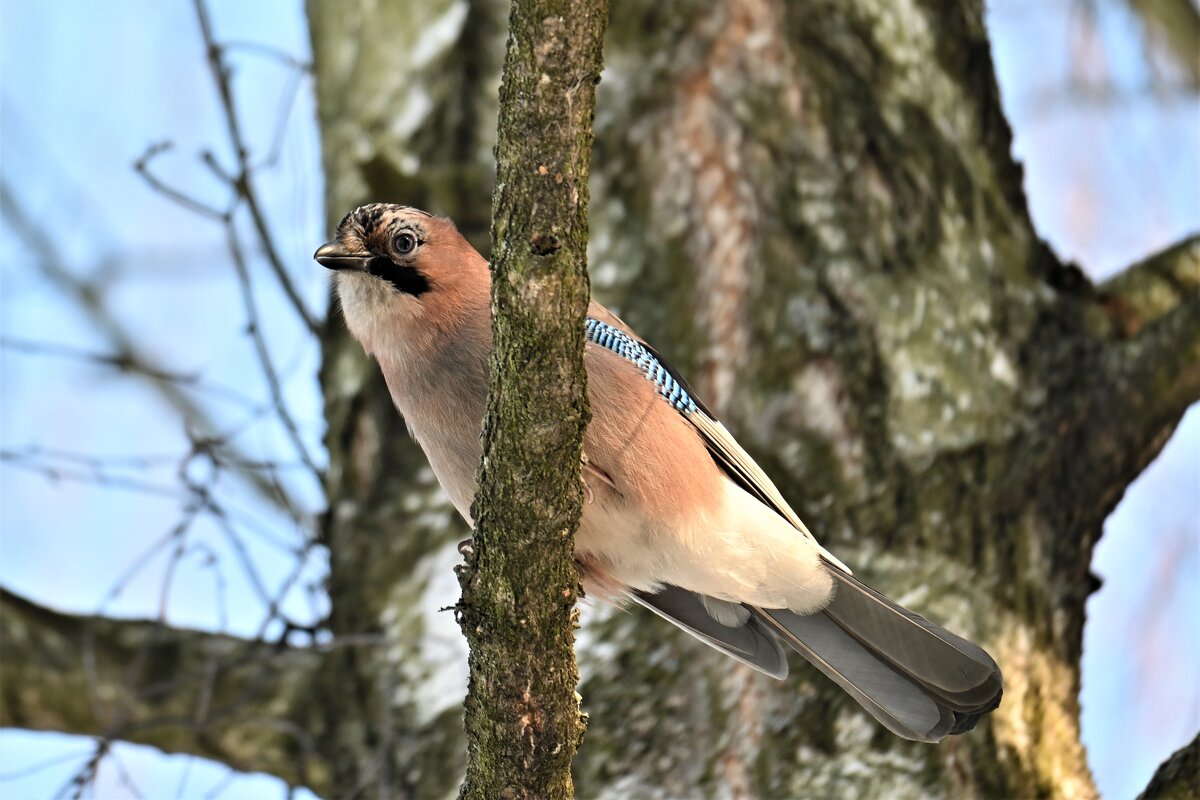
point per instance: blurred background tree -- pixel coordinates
(813, 209)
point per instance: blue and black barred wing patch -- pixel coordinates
(671, 389)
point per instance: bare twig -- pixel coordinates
(243, 180)
(243, 555)
(254, 328)
(286, 101)
(142, 167)
(274, 53)
(231, 676)
(183, 779)
(122, 345)
(123, 776)
(35, 768)
(212, 561)
(98, 477)
(179, 537)
(86, 774)
(123, 362)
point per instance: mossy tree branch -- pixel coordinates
(1155, 375)
(520, 584)
(1177, 778)
(182, 691)
(1145, 373)
(1153, 287)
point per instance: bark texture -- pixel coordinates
(520, 583)
(811, 209)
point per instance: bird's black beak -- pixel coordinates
(333, 256)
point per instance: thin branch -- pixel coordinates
(102, 677)
(254, 328)
(262, 532)
(266, 51)
(85, 775)
(179, 536)
(1144, 373)
(220, 786)
(97, 477)
(134, 568)
(142, 167)
(243, 556)
(287, 101)
(121, 344)
(33, 769)
(183, 779)
(123, 776)
(242, 182)
(212, 561)
(123, 362)
(137, 462)
(241, 187)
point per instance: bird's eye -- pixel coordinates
(404, 243)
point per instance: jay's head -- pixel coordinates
(401, 272)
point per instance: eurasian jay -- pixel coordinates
(680, 519)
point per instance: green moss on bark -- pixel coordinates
(520, 584)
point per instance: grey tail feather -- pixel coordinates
(752, 642)
(918, 679)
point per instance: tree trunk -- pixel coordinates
(390, 533)
(520, 583)
(811, 208)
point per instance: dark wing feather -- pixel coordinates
(751, 642)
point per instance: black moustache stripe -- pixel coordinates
(406, 279)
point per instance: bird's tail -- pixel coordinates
(918, 679)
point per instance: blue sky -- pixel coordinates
(87, 87)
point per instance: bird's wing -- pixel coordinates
(606, 330)
(750, 640)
